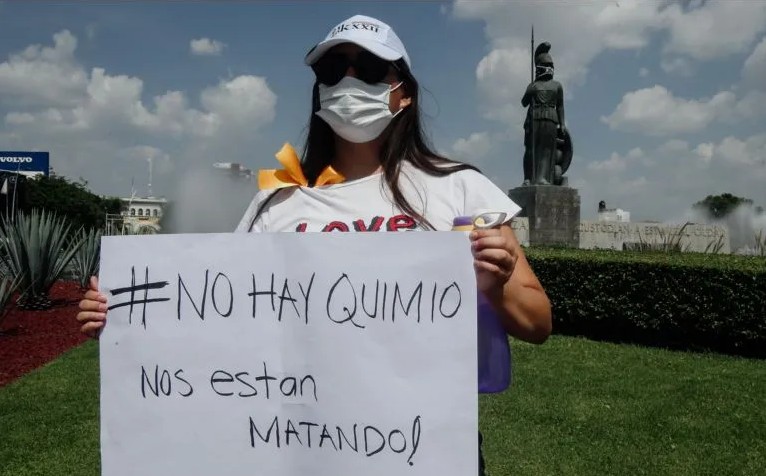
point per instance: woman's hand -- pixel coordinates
(92, 313)
(495, 259)
(505, 277)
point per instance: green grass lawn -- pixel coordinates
(577, 407)
(582, 407)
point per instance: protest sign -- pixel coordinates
(287, 354)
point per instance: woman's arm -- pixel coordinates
(507, 280)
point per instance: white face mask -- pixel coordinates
(355, 110)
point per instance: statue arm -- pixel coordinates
(527, 96)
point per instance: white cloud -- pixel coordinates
(100, 101)
(581, 31)
(677, 65)
(614, 163)
(245, 102)
(144, 152)
(705, 152)
(750, 153)
(19, 118)
(653, 181)
(715, 28)
(206, 47)
(618, 163)
(114, 102)
(102, 127)
(626, 24)
(656, 111)
(503, 74)
(44, 75)
(676, 176)
(673, 146)
(473, 148)
(754, 69)
(638, 184)
(751, 105)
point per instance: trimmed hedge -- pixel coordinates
(694, 301)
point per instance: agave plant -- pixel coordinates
(86, 259)
(36, 249)
(715, 246)
(669, 241)
(8, 286)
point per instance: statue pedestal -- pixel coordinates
(553, 212)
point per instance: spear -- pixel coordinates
(532, 56)
(532, 105)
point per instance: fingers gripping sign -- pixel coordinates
(93, 309)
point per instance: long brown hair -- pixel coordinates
(404, 140)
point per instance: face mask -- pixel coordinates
(355, 110)
(544, 71)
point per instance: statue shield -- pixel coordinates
(565, 151)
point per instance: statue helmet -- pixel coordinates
(542, 55)
(543, 61)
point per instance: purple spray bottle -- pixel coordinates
(494, 351)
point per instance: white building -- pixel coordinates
(143, 214)
(612, 214)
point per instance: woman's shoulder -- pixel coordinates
(462, 173)
(475, 191)
(455, 175)
(259, 205)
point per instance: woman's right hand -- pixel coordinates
(92, 313)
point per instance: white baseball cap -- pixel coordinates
(366, 32)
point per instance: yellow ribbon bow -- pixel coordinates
(292, 173)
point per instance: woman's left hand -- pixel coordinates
(494, 259)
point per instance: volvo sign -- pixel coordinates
(26, 163)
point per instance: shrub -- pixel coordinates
(680, 300)
(36, 248)
(87, 258)
(64, 197)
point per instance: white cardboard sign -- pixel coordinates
(287, 354)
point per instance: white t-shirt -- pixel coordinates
(366, 204)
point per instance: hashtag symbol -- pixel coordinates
(132, 289)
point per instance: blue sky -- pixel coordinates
(666, 101)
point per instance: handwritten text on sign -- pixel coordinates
(289, 354)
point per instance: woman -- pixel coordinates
(367, 167)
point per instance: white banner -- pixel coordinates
(286, 354)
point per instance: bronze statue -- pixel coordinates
(548, 146)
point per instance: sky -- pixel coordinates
(665, 100)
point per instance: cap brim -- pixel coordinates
(382, 51)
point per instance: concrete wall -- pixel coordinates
(615, 235)
(520, 227)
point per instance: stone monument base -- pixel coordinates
(553, 212)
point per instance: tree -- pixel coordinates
(720, 206)
(67, 198)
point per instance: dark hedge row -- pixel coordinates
(678, 300)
